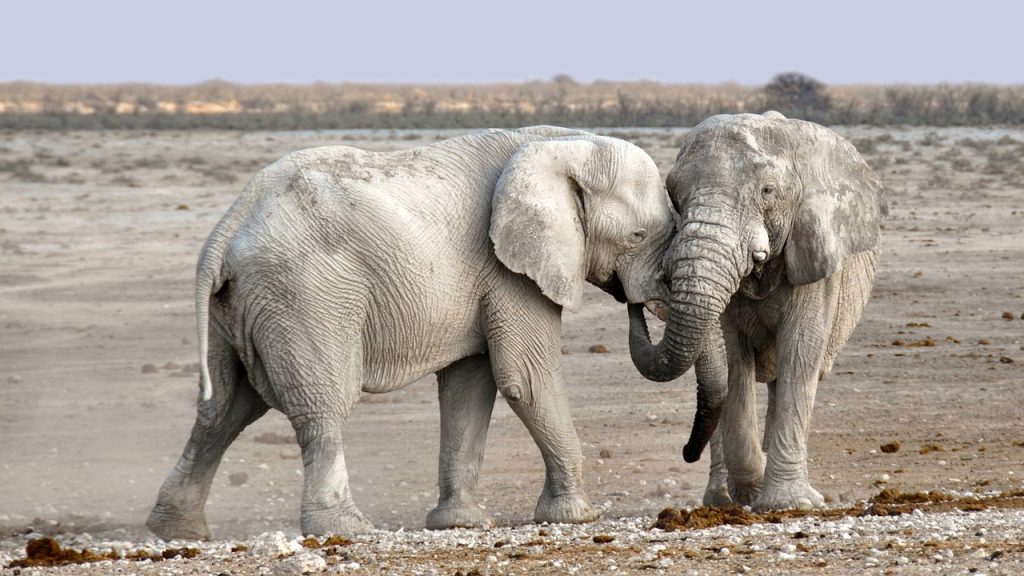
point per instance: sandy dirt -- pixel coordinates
(99, 232)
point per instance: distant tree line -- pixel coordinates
(562, 101)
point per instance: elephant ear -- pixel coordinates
(537, 217)
(840, 209)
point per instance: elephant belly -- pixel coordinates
(432, 337)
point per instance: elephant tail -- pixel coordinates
(212, 269)
(209, 279)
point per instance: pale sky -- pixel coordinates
(466, 41)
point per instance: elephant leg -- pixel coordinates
(717, 492)
(786, 483)
(466, 390)
(178, 512)
(769, 418)
(743, 457)
(318, 378)
(547, 417)
(527, 366)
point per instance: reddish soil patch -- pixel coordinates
(888, 502)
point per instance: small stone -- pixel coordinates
(273, 545)
(238, 478)
(302, 563)
(985, 341)
(1008, 315)
(149, 369)
(565, 349)
(979, 554)
(890, 447)
(1006, 360)
(603, 538)
(605, 453)
(598, 349)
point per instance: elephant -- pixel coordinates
(339, 271)
(770, 271)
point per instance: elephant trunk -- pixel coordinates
(712, 388)
(705, 275)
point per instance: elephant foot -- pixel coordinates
(565, 509)
(744, 492)
(170, 524)
(785, 496)
(348, 521)
(716, 495)
(458, 514)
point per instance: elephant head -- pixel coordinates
(583, 207)
(757, 196)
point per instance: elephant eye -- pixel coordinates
(768, 190)
(638, 236)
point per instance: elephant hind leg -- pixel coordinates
(466, 391)
(317, 379)
(178, 512)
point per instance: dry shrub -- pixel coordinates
(223, 105)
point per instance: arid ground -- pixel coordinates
(99, 232)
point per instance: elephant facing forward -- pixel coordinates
(770, 271)
(339, 270)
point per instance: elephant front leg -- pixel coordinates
(743, 457)
(786, 482)
(526, 362)
(466, 391)
(546, 416)
(717, 491)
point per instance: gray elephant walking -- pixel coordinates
(340, 270)
(770, 272)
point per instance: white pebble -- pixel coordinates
(273, 545)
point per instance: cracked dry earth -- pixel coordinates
(99, 232)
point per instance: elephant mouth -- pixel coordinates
(758, 270)
(658, 308)
(614, 287)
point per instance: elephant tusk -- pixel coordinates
(658, 308)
